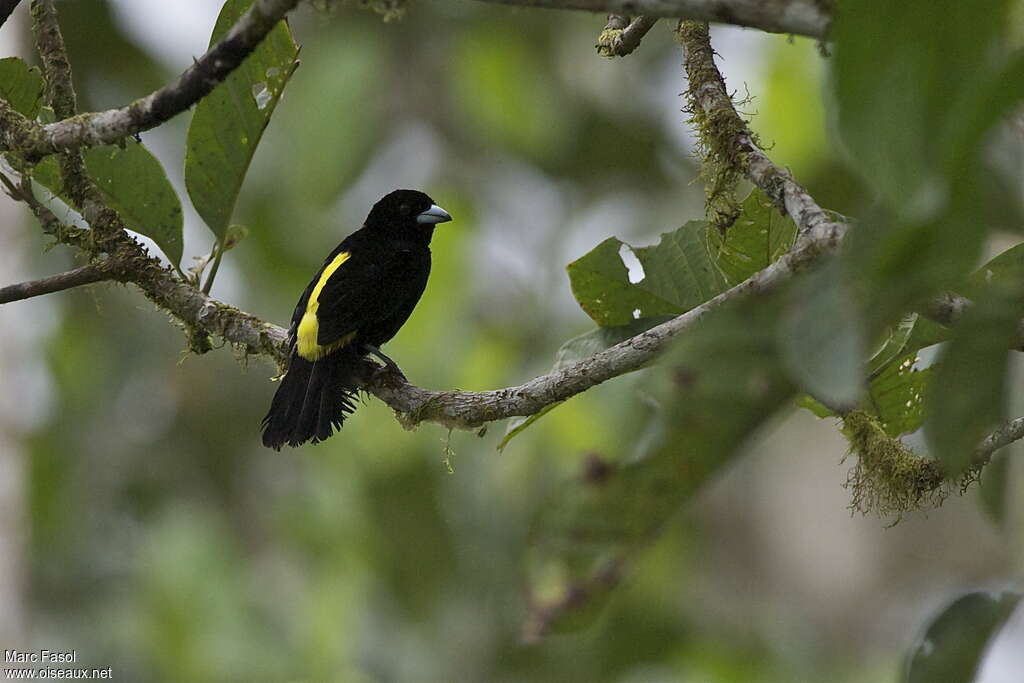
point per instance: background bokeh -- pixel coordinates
(142, 524)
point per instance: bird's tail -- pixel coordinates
(313, 400)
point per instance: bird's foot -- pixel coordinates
(390, 367)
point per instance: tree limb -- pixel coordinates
(1003, 436)
(800, 17)
(55, 283)
(468, 410)
(728, 138)
(106, 127)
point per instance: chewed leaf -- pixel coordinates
(617, 284)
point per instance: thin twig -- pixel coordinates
(1003, 436)
(55, 283)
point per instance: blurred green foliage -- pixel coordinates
(154, 512)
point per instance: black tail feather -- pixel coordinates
(313, 400)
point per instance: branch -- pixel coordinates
(55, 283)
(801, 17)
(621, 36)
(730, 142)
(469, 410)
(106, 127)
(1004, 436)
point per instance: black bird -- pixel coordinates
(360, 297)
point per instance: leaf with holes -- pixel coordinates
(229, 122)
(898, 395)
(677, 274)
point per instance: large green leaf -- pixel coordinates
(133, 183)
(678, 274)
(1004, 269)
(715, 387)
(972, 375)
(229, 122)
(899, 115)
(951, 648)
(21, 85)
(947, 78)
(758, 238)
(821, 337)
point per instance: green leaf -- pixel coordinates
(576, 349)
(714, 388)
(678, 274)
(229, 122)
(21, 85)
(936, 64)
(898, 395)
(821, 337)
(972, 374)
(947, 79)
(133, 183)
(1004, 269)
(758, 238)
(951, 648)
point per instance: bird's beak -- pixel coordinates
(435, 214)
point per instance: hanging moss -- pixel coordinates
(890, 479)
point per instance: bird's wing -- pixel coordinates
(365, 290)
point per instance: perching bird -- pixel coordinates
(360, 297)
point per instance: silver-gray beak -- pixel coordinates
(435, 214)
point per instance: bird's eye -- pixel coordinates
(404, 208)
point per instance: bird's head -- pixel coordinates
(405, 210)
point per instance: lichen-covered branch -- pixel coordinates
(106, 127)
(622, 35)
(730, 146)
(800, 17)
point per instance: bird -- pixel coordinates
(358, 300)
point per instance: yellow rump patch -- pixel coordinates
(309, 326)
